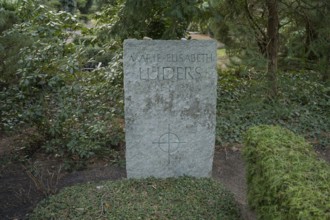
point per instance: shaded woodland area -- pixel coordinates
(61, 81)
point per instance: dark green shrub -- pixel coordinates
(84, 6)
(285, 178)
(7, 17)
(83, 40)
(160, 19)
(97, 56)
(78, 113)
(84, 117)
(9, 45)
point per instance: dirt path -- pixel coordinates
(22, 188)
(229, 169)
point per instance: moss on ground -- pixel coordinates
(172, 198)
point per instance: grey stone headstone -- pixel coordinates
(170, 107)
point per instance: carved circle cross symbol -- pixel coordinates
(169, 143)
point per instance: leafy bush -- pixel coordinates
(84, 117)
(77, 112)
(285, 178)
(172, 198)
(160, 19)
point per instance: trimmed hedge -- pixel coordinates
(285, 178)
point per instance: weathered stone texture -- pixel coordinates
(170, 107)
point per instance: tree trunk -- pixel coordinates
(311, 36)
(272, 46)
(324, 66)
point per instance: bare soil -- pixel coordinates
(23, 185)
(229, 169)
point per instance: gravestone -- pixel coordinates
(170, 107)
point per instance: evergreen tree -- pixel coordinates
(167, 19)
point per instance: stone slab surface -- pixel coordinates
(170, 107)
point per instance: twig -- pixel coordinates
(102, 206)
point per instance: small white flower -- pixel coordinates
(99, 187)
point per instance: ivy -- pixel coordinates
(302, 105)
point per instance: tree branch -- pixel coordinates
(253, 22)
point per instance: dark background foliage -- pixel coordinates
(61, 67)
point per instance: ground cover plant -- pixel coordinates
(302, 105)
(172, 198)
(285, 178)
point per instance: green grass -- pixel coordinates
(172, 198)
